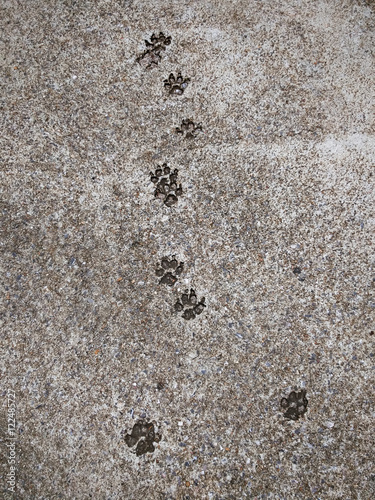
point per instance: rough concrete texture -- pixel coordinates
(275, 228)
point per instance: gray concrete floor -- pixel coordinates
(275, 228)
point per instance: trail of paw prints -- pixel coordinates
(144, 436)
(167, 189)
(169, 271)
(188, 129)
(176, 85)
(151, 57)
(189, 306)
(295, 405)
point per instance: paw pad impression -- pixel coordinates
(151, 56)
(166, 185)
(169, 271)
(295, 405)
(188, 129)
(189, 305)
(176, 86)
(143, 435)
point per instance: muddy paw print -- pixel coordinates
(143, 435)
(176, 86)
(295, 405)
(169, 271)
(151, 56)
(189, 129)
(190, 305)
(166, 185)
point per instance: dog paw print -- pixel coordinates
(295, 405)
(188, 129)
(189, 305)
(144, 436)
(298, 272)
(169, 271)
(167, 189)
(176, 86)
(151, 56)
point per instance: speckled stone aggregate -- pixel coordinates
(275, 228)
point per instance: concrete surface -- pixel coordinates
(275, 228)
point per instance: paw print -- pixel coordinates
(190, 305)
(169, 277)
(176, 86)
(295, 405)
(143, 433)
(297, 271)
(151, 57)
(166, 185)
(189, 129)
